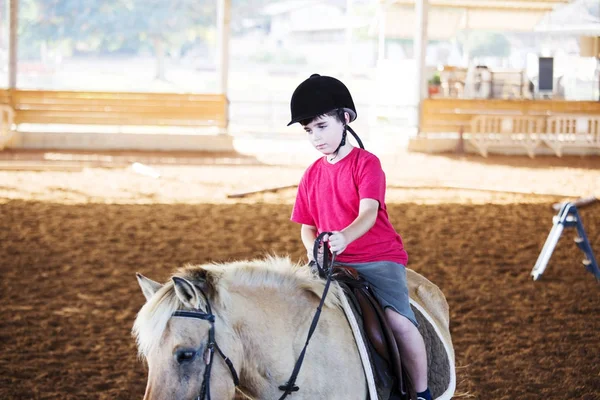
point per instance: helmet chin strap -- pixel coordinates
(344, 134)
(360, 143)
(343, 142)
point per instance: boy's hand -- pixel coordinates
(311, 257)
(337, 242)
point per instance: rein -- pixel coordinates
(325, 270)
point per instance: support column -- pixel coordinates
(375, 100)
(223, 33)
(348, 37)
(420, 50)
(12, 45)
(467, 45)
(381, 37)
(598, 73)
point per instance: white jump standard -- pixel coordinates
(567, 217)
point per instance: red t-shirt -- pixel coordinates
(329, 196)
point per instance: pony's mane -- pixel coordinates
(216, 279)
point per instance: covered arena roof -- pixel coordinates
(571, 19)
(448, 17)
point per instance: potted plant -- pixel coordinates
(433, 84)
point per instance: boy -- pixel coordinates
(344, 193)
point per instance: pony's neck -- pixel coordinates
(266, 322)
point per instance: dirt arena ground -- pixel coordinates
(77, 226)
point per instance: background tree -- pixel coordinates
(114, 26)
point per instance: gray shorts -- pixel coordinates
(388, 281)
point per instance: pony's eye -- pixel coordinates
(183, 356)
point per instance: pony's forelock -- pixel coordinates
(153, 317)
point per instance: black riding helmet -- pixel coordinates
(319, 95)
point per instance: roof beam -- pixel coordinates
(488, 5)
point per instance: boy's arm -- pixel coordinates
(367, 215)
(308, 233)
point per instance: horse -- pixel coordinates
(215, 329)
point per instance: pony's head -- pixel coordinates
(176, 345)
(256, 305)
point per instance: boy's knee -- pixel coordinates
(398, 322)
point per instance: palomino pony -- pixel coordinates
(258, 314)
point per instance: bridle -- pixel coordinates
(211, 346)
(325, 271)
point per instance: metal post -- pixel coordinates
(466, 47)
(547, 250)
(223, 32)
(598, 73)
(420, 49)
(13, 41)
(348, 34)
(381, 37)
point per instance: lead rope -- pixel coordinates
(290, 386)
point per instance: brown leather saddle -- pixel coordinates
(379, 333)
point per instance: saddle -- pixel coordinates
(386, 361)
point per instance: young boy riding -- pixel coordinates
(344, 193)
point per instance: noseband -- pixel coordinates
(211, 346)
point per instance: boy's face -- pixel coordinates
(325, 133)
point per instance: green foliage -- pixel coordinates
(113, 26)
(435, 79)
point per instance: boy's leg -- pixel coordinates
(411, 346)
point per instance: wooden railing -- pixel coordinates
(572, 131)
(515, 123)
(506, 131)
(108, 108)
(455, 115)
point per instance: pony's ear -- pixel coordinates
(186, 292)
(149, 287)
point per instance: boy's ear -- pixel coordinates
(347, 117)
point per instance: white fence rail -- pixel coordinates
(530, 132)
